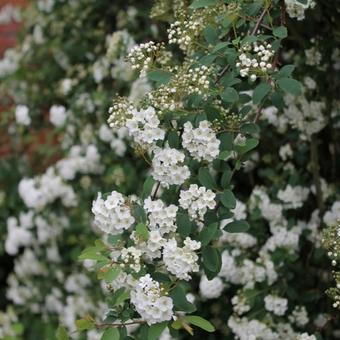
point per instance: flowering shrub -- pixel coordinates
(57, 114)
(214, 223)
(197, 130)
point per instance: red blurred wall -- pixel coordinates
(9, 31)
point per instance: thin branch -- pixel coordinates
(258, 113)
(315, 167)
(259, 21)
(156, 190)
(120, 324)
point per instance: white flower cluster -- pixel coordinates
(240, 305)
(197, 200)
(255, 60)
(150, 302)
(332, 216)
(246, 329)
(143, 127)
(304, 115)
(168, 167)
(293, 197)
(282, 238)
(299, 316)
(131, 257)
(139, 88)
(276, 304)
(161, 217)
(112, 215)
(116, 140)
(201, 143)
(185, 81)
(181, 261)
(246, 272)
(118, 44)
(18, 234)
(84, 160)
(39, 191)
(211, 289)
(9, 14)
(296, 9)
(58, 115)
(9, 62)
(119, 112)
(272, 212)
(183, 33)
(21, 115)
(142, 56)
(306, 336)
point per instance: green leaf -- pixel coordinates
(111, 334)
(180, 301)
(250, 144)
(120, 295)
(207, 234)
(220, 46)
(84, 324)
(183, 224)
(206, 179)
(142, 231)
(250, 128)
(92, 253)
(228, 199)
(173, 139)
(280, 32)
(249, 39)
(211, 259)
(224, 155)
(112, 274)
(289, 85)
(230, 95)
(202, 3)
(237, 227)
(156, 330)
(260, 92)
(226, 139)
(147, 187)
(61, 333)
(285, 71)
(210, 35)
(200, 322)
(159, 76)
(226, 177)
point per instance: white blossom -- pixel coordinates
(201, 143)
(112, 215)
(150, 301)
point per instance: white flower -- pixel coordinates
(181, 261)
(112, 215)
(17, 235)
(58, 115)
(21, 115)
(161, 217)
(306, 336)
(332, 215)
(201, 143)
(293, 196)
(197, 200)
(276, 304)
(168, 168)
(143, 127)
(150, 302)
(211, 289)
(296, 9)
